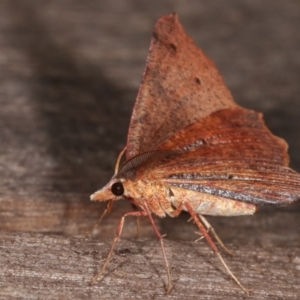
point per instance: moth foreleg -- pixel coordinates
(115, 241)
(107, 210)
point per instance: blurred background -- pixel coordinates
(70, 71)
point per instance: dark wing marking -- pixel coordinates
(254, 182)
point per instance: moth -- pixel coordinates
(191, 148)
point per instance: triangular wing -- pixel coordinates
(180, 85)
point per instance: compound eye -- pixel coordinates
(117, 188)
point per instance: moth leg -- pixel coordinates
(160, 238)
(107, 210)
(176, 212)
(116, 239)
(135, 208)
(213, 245)
(201, 236)
(209, 228)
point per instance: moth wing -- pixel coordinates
(256, 183)
(180, 85)
(231, 154)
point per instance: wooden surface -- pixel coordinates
(70, 71)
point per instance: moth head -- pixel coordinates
(114, 190)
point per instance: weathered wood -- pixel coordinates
(69, 76)
(38, 266)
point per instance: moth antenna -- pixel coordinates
(107, 210)
(115, 241)
(213, 245)
(117, 164)
(209, 228)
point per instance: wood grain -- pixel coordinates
(55, 267)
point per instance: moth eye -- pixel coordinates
(117, 188)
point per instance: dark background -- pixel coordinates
(69, 74)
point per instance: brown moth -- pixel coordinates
(191, 148)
